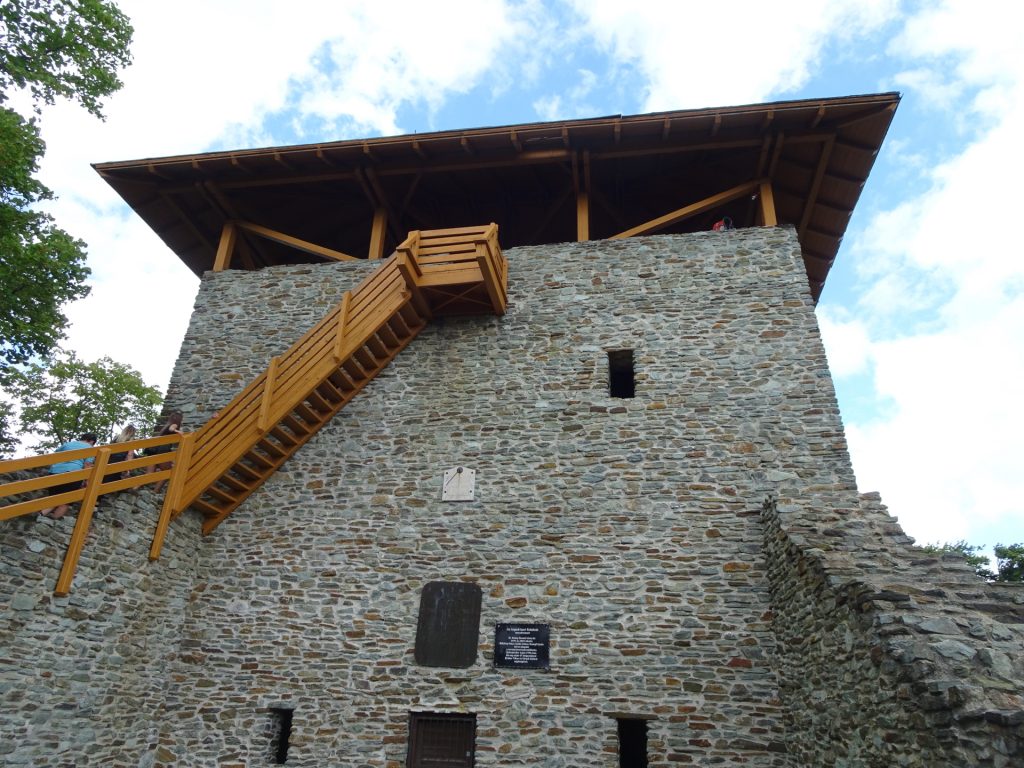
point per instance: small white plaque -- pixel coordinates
(459, 484)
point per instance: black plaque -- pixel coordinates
(449, 624)
(522, 646)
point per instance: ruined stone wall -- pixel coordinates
(83, 677)
(631, 526)
(889, 655)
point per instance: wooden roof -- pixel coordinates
(540, 182)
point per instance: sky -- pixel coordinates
(922, 315)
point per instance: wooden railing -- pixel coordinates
(94, 484)
(215, 468)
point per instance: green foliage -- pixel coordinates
(7, 441)
(63, 48)
(1009, 562)
(41, 267)
(1009, 559)
(64, 397)
(970, 553)
(49, 49)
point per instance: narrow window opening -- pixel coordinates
(621, 378)
(280, 734)
(632, 743)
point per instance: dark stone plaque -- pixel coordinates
(449, 624)
(522, 646)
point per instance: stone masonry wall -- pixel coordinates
(82, 677)
(632, 527)
(804, 632)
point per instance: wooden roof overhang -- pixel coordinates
(541, 183)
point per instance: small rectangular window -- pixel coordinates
(632, 743)
(621, 378)
(280, 734)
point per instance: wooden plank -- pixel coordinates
(179, 473)
(81, 530)
(226, 248)
(294, 242)
(767, 200)
(680, 214)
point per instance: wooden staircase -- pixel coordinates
(433, 273)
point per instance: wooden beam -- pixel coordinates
(767, 200)
(377, 233)
(226, 249)
(294, 242)
(819, 174)
(382, 201)
(81, 530)
(688, 211)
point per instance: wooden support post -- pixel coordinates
(92, 492)
(767, 200)
(179, 473)
(582, 169)
(339, 339)
(263, 422)
(378, 232)
(228, 236)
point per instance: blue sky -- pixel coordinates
(923, 314)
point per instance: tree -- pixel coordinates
(62, 398)
(41, 266)
(1009, 562)
(970, 553)
(49, 49)
(63, 48)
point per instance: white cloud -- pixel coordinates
(208, 75)
(847, 342)
(947, 456)
(706, 55)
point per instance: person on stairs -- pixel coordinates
(88, 440)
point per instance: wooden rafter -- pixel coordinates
(812, 195)
(687, 211)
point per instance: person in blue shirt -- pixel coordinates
(88, 440)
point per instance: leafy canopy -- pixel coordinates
(65, 397)
(49, 49)
(41, 266)
(1009, 559)
(67, 48)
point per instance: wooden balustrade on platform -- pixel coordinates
(457, 271)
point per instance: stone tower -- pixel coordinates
(617, 526)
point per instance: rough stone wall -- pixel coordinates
(890, 655)
(82, 677)
(808, 633)
(632, 527)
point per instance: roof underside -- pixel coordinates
(530, 179)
